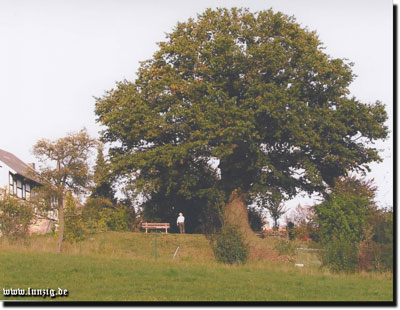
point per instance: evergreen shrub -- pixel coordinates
(74, 227)
(229, 246)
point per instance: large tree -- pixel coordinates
(238, 102)
(64, 167)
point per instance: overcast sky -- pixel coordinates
(56, 55)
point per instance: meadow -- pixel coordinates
(138, 267)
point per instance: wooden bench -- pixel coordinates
(156, 226)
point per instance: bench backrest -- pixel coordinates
(155, 225)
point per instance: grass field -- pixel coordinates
(124, 267)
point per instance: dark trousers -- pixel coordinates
(181, 226)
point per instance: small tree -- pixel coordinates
(64, 168)
(273, 203)
(74, 228)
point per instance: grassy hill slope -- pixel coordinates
(123, 267)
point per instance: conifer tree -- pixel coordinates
(102, 182)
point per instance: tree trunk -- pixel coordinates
(60, 203)
(61, 224)
(235, 213)
(276, 225)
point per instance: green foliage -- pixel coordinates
(380, 223)
(252, 92)
(306, 232)
(91, 213)
(16, 215)
(342, 216)
(341, 222)
(114, 219)
(100, 214)
(385, 258)
(229, 246)
(65, 162)
(355, 233)
(101, 177)
(74, 227)
(341, 255)
(272, 201)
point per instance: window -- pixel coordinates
(11, 183)
(19, 188)
(27, 191)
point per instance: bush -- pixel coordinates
(385, 261)
(229, 246)
(380, 222)
(306, 232)
(114, 219)
(16, 215)
(342, 221)
(91, 212)
(356, 234)
(101, 215)
(340, 255)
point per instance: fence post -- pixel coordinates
(236, 250)
(155, 245)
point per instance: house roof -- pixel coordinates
(16, 164)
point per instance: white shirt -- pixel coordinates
(181, 219)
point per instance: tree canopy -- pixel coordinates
(235, 100)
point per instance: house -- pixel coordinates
(16, 180)
(15, 176)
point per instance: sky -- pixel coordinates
(57, 55)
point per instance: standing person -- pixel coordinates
(180, 222)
